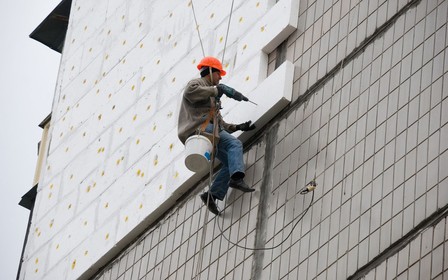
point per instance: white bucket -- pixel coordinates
(198, 150)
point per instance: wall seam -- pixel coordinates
(262, 219)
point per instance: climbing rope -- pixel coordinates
(197, 28)
(204, 228)
(199, 33)
(227, 33)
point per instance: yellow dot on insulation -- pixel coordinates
(36, 261)
(102, 173)
(73, 264)
(120, 130)
(69, 206)
(49, 195)
(176, 175)
(262, 29)
(126, 218)
(106, 205)
(143, 78)
(51, 186)
(85, 28)
(160, 187)
(88, 189)
(171, 146)
(173, 80)
(139, 172)
(107, 236)
(123, 61)
(100, 116)
(36, 270)
(140, 25)
(241, 19)
(85, 223)
(71, 176)
(57, 247)
(221, 39)
(154, 128)
(245, 46)
(212, 15)
(86, 253)
(141, 45)
(133, 87)
(122, 17)
(124, 42)
(118, 161)
(107, 56)
(158, 61)
(141, 206)
(51, 223)
(113, 107)
(258, 4)
(84, 134)
(90, 50)
(148, 108)
(138, 141)
(247, 78)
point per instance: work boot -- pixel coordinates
(239, 184)
(211, 202)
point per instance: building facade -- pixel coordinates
(350, 94)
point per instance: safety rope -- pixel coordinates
(204, 228)
(197, 28)
(227, 33)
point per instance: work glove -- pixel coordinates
(230, 92)
(245, 126)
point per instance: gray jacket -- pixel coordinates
(195, 108)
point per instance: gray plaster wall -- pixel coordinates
(368, 121)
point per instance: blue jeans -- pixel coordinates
(230, 153)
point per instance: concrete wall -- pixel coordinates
(374, 134)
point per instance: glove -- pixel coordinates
(245, 126)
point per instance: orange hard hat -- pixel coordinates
(210, 61)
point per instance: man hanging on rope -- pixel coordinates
(200, 111)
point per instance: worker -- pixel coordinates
(200, 98)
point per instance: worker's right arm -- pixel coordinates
(197, 92)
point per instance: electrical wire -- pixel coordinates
(273, 247)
